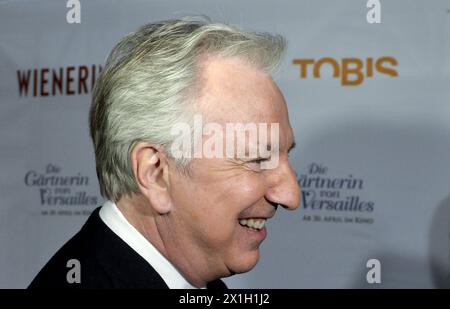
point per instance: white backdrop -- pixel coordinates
(373, 158)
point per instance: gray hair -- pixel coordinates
(146, 87)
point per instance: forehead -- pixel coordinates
(233, 90)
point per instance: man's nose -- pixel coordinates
(283, 187)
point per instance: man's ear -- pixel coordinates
(151, 171)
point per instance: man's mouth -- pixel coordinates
(255, 224)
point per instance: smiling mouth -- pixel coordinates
(253, 224)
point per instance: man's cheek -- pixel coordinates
(225, 234)
(247, 189)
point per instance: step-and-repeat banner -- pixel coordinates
(369, 101)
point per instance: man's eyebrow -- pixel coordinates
(292, 146)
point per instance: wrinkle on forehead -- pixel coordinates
(233, 90)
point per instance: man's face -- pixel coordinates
(210, 203)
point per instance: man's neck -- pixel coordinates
(144, 219)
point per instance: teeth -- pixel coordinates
(261, 224)
(256, 224)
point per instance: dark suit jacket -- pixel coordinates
(106, 261)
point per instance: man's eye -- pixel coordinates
(259, 160)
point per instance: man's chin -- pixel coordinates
(243, 264)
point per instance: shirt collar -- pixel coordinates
(116, 221)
